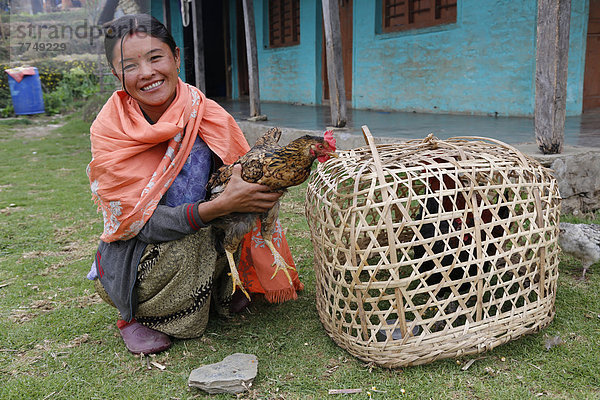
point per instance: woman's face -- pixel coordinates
(149, 72)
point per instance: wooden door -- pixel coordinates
(346, 31)
(591, 80)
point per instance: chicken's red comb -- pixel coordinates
(328, 136)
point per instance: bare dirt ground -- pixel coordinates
(35, 131)
(41, 125)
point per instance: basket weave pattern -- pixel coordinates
(432, 249)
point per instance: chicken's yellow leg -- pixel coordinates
(235, 277)
(279, 262)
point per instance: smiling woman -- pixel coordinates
(154, 146)
(148, 71)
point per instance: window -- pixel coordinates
(401, 15)
(284, 23)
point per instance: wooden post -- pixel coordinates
(551, 74)
(37, 6)
(199, 71)
(252, 56)
(335, 64)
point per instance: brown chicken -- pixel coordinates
(277, 167)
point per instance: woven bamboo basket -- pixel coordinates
(432, 248)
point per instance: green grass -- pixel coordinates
(11, 122)
(58, 341)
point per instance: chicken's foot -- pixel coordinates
(235, 277)
(279, 262)
(582, 277)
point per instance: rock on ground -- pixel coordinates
(232, 375)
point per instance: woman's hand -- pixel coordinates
(239, 196)
(242, 196)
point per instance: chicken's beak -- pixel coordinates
(333, 155)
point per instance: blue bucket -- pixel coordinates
(27, 95)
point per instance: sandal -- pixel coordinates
(141, 339)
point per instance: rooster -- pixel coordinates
(277, 167)
(428, 230)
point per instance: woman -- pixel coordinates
(154, 145)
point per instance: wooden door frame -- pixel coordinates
(591, 101)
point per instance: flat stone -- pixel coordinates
(232, 375)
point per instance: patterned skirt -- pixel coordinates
(177, 282)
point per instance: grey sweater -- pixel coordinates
(117, 262)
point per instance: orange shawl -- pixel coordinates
(134, 163)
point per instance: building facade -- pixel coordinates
(437, 56)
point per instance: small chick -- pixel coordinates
(581, 241)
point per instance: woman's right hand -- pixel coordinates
(239, 196)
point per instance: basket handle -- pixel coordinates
(500, 143)
(386, 191)
(371, 143)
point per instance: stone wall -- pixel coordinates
(577, 171)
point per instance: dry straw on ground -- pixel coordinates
(432, 248)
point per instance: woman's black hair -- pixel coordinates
(115, 31)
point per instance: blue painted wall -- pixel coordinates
(291, 74)
(482, 64)
(287, 74)
(298, 65)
